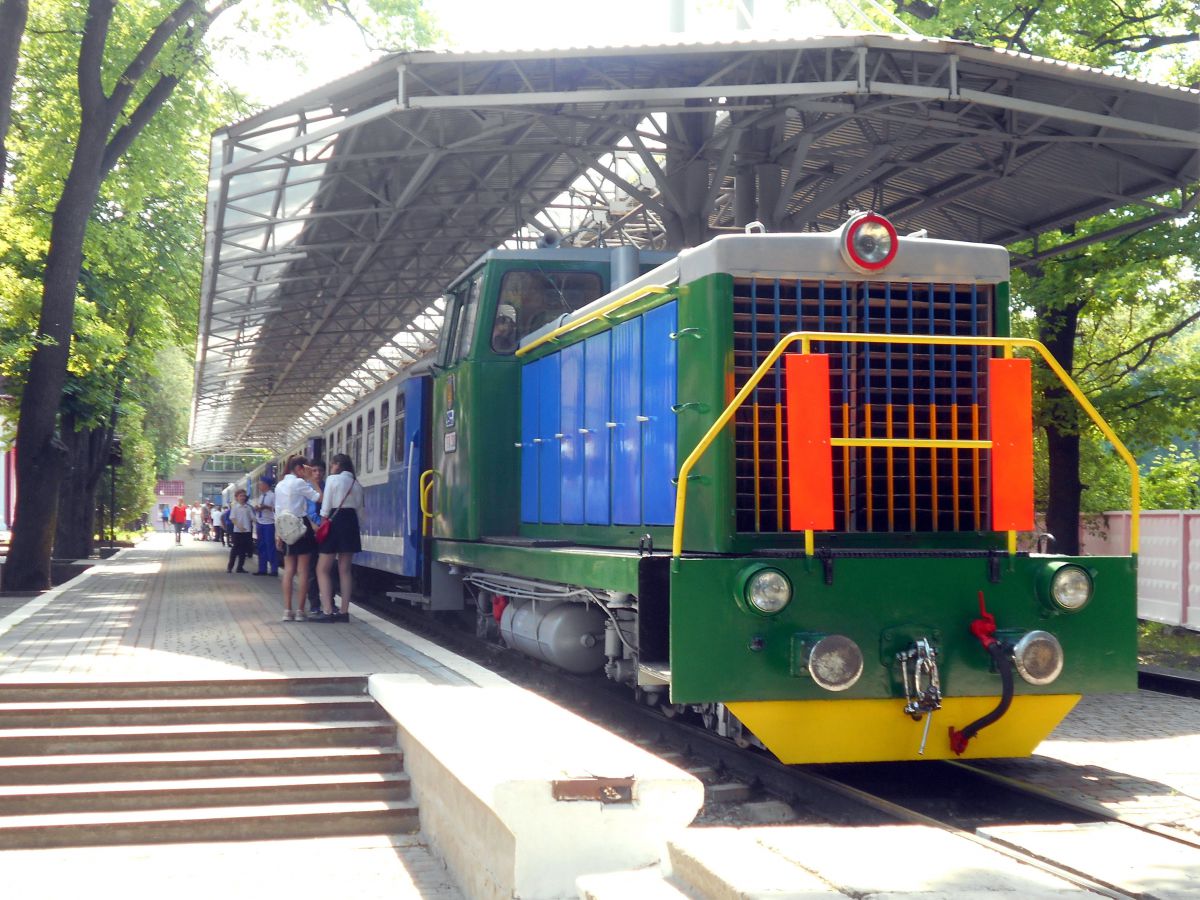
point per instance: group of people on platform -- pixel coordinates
(290, 520)
(285, 522)
(203, 522)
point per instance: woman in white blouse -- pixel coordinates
(342, 502)
(291, 494)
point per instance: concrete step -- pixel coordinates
(640, 884)
(730, 864)
(303, 686)
(18, 800)
(81, 713)
(208, 824)
(112, 767)
(210, 736)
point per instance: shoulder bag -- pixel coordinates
(322, 532)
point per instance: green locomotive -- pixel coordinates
(776, 480)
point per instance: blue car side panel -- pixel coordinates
(530, 380)
(658, 431)
(626, 436)
(597, 394)
(549, 462)
(571, 443)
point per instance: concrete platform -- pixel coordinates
(158, 615)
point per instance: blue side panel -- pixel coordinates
(417, 397)
(626, 437)
(658, 433)
(549, 464)
(530, 379)
(571, 444)
(597, 392)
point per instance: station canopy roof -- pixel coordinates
(335, 220)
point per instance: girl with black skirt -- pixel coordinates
(341, 504)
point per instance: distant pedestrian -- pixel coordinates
(206, 521)
(165, 512)
(179, 518)
(264, 522)
(218, 524)
(241, 521)
(342, 503)
(294, 534)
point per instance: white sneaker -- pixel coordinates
(289, 616)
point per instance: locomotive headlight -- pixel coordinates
(1068, 587)
(1038, 657)
(869, 242)
(768, 591)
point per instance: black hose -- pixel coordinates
(1001, 654)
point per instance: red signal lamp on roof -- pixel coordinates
(869, 242)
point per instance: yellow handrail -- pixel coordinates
(425, 495)
(805, 337)
(606, 309)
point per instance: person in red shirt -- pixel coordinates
(179, 517)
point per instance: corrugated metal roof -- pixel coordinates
(335, 219)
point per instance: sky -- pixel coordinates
(336, 49)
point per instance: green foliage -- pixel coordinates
(1173, 479)
(136, 308)
(1147, 38)
(166, 403)
(135, 476)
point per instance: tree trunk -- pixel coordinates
(87, 455)
(13, 14)
(40, 454)
(1057, 330)
(1062, 516)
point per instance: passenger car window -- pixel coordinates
(384, 424)
(399, 429)
(371, 441)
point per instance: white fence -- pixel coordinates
(1168, 564)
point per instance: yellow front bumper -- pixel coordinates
(831, 731)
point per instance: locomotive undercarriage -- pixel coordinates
(583, 631)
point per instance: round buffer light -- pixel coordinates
(869, 242)
(1038, 657)
(1070, 587)
(768, 591)
(835, 662)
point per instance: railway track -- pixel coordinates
(956, 797)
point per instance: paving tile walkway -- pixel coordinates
(160, 610)
(1136, 754)
(362, 868)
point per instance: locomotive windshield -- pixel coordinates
(531, 299)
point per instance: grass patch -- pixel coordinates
(1168, 646)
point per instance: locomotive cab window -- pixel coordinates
(531, 299)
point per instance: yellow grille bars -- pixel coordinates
(804, 338)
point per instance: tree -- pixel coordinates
(130, 62)
(13, 14)
(1121, 315)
